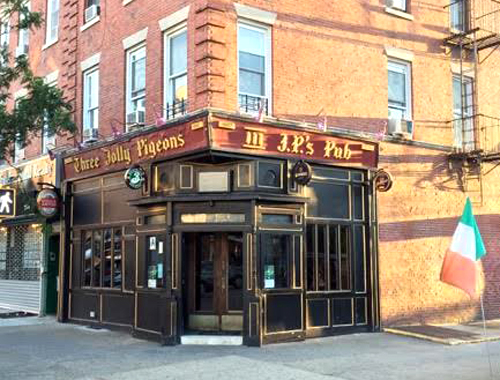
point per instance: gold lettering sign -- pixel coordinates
(151, 149)
(84, 164)
(254, 138)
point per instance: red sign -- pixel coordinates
(47, 202)
(268, 140)
(165, 143)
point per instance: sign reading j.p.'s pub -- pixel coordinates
(220, 135)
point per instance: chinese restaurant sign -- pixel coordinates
(238, 137)
(293, 143)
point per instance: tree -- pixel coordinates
(43, 107)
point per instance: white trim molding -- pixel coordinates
(398, 13)
(135, 39)
(255, 14)
(90, 62)
(402, 54)
(175, 18)
(52, 77)
(87, 25)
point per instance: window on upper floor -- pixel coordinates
(399, 90)
(90, 103)
(23, 36)
(398, 4)
(19, 151)
(136, 85)
(92, 10)
(254, 67)
(463, 112)
(175, 72)
(4, 36)
(457, 15)
(52, 21)
(48, 139)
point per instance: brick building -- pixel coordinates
(413, 83)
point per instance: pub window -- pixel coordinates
(102, 258)
(33, 243)
(155, 219)
(277, 219)
(186, 172)
(244, 175)
(164, 178)
(328, 257)
(277, 257)
(155, 259)
(270, 175)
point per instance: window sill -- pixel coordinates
(398, 13)
(49, 44)
(126, 2)
(88, 24)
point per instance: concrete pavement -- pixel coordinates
(42, 349)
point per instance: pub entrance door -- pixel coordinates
(214, 281)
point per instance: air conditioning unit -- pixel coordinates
(22, 49)
(399, 4)
(91, 12)
(400, 128)
(90, 135)
(136, 117)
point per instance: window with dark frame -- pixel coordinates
(278, 260)
(102, 258)
(155, 261)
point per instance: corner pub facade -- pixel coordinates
(265, 231)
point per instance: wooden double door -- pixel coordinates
(214, 286)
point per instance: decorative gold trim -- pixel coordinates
(227, 125)
(197, 125)
(367, 147)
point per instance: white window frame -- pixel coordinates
(51, 21)
(400, 5)
(87, 110)
(168, 36)
(268, 60)
(461, 139)
(48, 140)
(23, 35)
(402, 67)
(129, 98)
(455, 22)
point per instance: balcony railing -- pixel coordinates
(176, 109)
(477, 133)
(253, 104)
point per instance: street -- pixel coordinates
(43, 349)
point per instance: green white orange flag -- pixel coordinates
(467, 247)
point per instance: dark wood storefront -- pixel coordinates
(221, 239)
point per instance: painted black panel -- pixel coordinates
(76, 261)
(359, 258)
(283, 312)
(129, 264)
(115, 205)
(87, 209)
(342, 311)
(82, 304)
(148, 311)
(360, 311)
(317, 312)
(141, 264)
(118, 308)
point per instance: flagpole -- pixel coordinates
(484, 332)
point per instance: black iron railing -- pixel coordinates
(253, 104)
(176, 109)
(477, 132)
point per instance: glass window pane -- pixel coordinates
(397, 88)
(276, 219)
(345, 258)
(310, 257)
(155, 258)
(328, 200)
(269, 174)
(277, 252)
(358, 202)
(359, 254)
(251, 83)
(117, 258)
(178, 54)
(235, 272)
(251, 41)
(252, 62)
(107, 259)
(87, 258)
(97, 251)
(138, 75)
(333, 251)
(179, 88)
(204, 282)
(322, 259)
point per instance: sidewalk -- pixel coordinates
(473, 332)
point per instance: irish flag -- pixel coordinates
(467, 247)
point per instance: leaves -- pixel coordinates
(43, 106)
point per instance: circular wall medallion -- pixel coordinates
(135, 177)
(302, 173)
(382, 181)
(48, 203)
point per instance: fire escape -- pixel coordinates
(474, 35)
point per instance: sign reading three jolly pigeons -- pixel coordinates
(222, 135)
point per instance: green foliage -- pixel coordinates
(43, 105)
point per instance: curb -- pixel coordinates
(448, 342)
